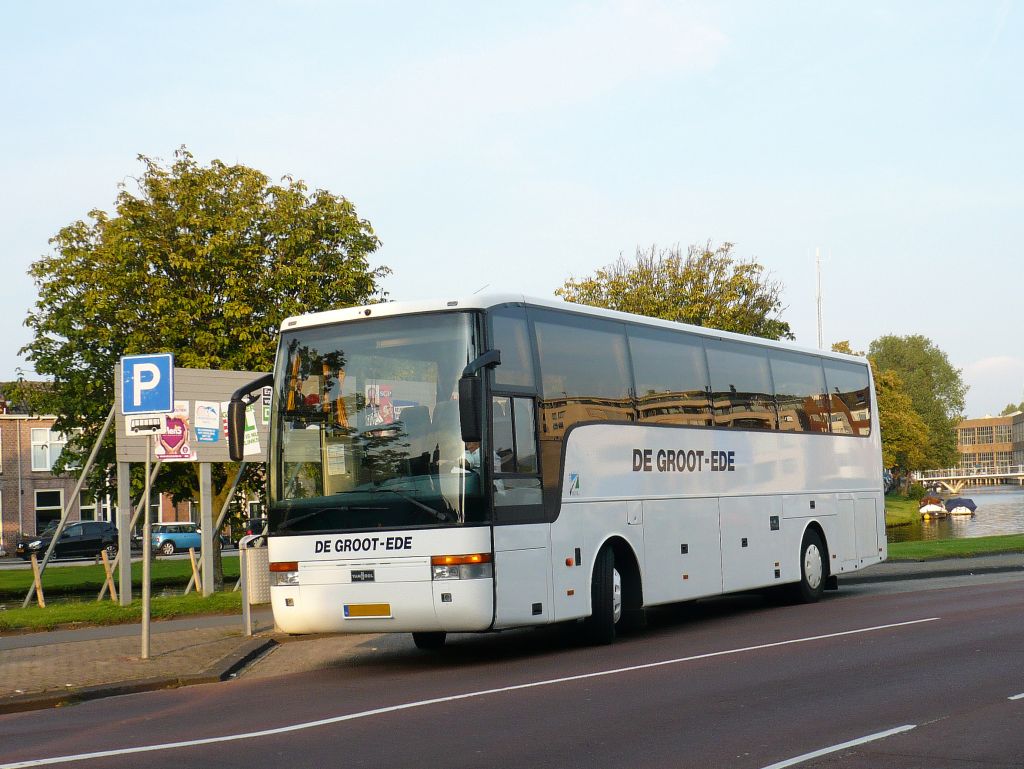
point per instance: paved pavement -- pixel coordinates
(39, 670)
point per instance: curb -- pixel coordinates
(220, 670)
(964, 571)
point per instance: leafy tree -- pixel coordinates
(904, 433)
(934, 386)
(201, 261)
(704, 287)
(1012, 408)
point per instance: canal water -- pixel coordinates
(1000, 511)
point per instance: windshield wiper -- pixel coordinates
(290, 522)
(427, 508)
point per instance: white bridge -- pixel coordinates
(955, 478)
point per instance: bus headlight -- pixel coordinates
(472, 566)
(284, 573)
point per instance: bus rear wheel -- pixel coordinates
(605, 600)
(431, 640)
(813, 565)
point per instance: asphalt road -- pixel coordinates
(913, 678)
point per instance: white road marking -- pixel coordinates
(841, 746)
(1016, 697)
(425, 703)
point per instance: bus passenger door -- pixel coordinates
(522, 563)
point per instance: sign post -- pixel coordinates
(147, 390)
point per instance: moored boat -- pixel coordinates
(961, 506)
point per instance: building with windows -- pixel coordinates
(31, 495)
(991, 442)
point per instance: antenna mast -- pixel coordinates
(817, 262)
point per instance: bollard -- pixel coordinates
(254, 575)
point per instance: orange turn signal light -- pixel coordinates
(456, 560)
(284, 566)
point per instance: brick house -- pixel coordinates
(30, 494)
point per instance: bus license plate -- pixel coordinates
(364, 610)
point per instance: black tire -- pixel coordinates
(111, 550)
(813, 569)
(168, 548)
(429, 640)
(599, 628)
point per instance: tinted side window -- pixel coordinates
(517, 489)
(585, 376)
(525, 426)
(510, 335)
(799, 392)
(850, 397)
(741, 388)
(584, 369)
(671, 377)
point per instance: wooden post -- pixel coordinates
(37, 580)
(195, 570)
(110, 575)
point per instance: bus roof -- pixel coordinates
(485, 301)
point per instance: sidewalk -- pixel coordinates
(40, 670)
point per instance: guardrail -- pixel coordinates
(951, 473)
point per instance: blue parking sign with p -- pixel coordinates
(147, 384)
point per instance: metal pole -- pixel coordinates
(127, 524)
(243, 580)
(206, 523)
(146, 556)
(817, 263)
(125, 521)
(67, 507)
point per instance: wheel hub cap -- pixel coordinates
(813, 567)
(616, 595)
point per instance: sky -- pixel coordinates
(509, 146)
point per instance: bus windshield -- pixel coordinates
(366, 433)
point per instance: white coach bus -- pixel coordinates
(498, 462)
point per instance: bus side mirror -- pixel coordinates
(471, 397)
(236, 429)
(242, 398)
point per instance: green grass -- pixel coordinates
(14, 583)
(956, 548)
(109, 613)
(901, 511)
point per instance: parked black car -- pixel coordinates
(82, 539)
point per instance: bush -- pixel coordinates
(916, 491)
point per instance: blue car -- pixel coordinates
(168, 538)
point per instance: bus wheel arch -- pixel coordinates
(616, 598)
(813, 564)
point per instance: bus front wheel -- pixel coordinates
(813, 564)
(431, 640)
(605, 600)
